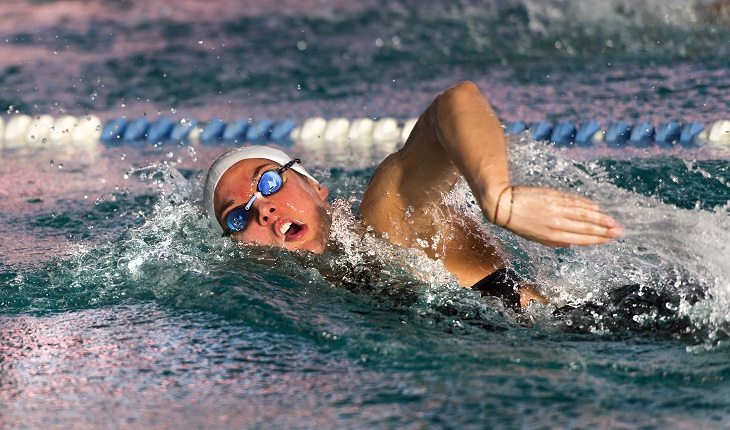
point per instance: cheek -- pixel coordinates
(253, 235)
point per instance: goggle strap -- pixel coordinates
(288, 165)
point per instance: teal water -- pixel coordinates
(119, 308)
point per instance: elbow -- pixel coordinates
(459, 94)
(464, 89)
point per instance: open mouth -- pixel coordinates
(292, 230)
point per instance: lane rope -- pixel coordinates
(387, 133)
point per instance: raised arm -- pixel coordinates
(459, 134)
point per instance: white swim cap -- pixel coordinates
(227, 160)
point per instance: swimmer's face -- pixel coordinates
(296, 217)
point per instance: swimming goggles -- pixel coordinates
(269, 183)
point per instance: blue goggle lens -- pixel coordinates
(237, 219)
(270, 182)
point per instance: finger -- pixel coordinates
(590, 216)
(570, 238)
(586, 228)
(582, 202)
(575, 200)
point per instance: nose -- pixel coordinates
(266, 212)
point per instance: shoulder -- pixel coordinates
(382, 205)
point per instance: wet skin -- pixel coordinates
(297, 217)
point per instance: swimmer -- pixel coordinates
(260, 195)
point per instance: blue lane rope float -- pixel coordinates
(618, 133)
(235, 131)
(113, 130)
(642, 134)
(213, 132)
(182, 130)
(515, 127)
(667, 133)
(541, 130)
(563, 134)
(587, 133)
(260, 131)
(689, 132)
(136, 130)
(160, 130)
(23, 130)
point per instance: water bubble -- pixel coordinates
(60, 166)
(200, 42)
(301, 45)
(379, 42)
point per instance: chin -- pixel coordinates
(315, 247)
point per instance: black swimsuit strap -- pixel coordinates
(502, 284)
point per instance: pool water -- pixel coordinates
(120, 308)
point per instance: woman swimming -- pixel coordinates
(260, 195)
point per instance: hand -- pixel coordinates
(554, 218)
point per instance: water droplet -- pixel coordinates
(60, 166)
(379, 42)
(302, 45)
(200, 42)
